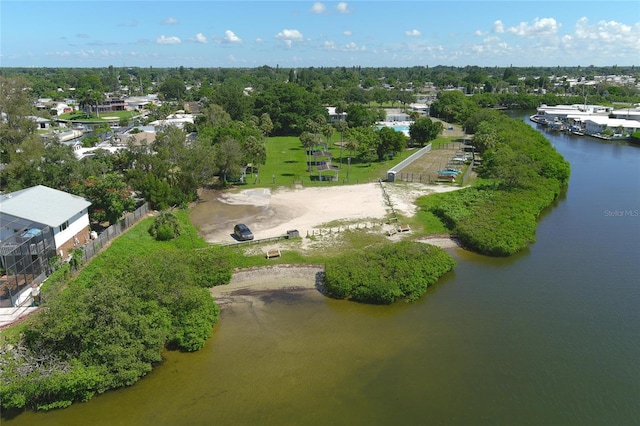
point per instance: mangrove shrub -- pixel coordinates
(385, 274)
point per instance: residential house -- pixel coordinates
(66, 214)
(36, 224)
(334, 116)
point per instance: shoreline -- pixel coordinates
(249, 284)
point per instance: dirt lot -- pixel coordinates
(425, 169)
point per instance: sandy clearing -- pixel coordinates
(305, 209)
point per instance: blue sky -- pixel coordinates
(306, 33)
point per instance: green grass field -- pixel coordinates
(83, 117)
(287, 165)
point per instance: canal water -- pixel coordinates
(550, 336)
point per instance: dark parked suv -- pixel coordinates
(242, 232)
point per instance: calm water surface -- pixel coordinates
(550, 336)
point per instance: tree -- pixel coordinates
(327, 131)
(452, 106)
(255, 151)
(289, 107)
(59, 166)
(341, 126)
(265, 124)
(485, 137)
(389, 142)
(228, 158)
(231, 97)
(23, 169)
(15, 107)
(110, 197)
(173, 89)
(309, 140)
(424, 130)
(512, 167)
(360, 116)
(91, 94)
(216, 115)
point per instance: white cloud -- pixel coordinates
(230, 37)
(606, 30)
(289, 36)
(342, 7)
(353, 47)
(167, 40)
(605, 36)
(540, 28)
(200, 38)
(412, 33)
(498, 27)
(329, 45)
(347, 33)
(170, 21)
(349, 47)
(318, 8)
(259, 40)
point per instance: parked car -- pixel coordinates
(242, 232)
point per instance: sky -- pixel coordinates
(372, 33)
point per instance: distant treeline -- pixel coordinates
(332, 84)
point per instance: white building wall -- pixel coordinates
(76, 224)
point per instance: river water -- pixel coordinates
(550, 336)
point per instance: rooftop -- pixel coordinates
(42, 204)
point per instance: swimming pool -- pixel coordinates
(404, 128)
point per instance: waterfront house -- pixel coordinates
(36, 224)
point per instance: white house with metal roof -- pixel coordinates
(66, 214)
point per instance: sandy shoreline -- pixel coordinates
(247, 285)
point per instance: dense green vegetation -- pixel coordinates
(387, 273)
(522, 174)
(109, 326)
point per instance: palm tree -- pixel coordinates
(341, 126)
(351, 145)
(308, 140)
